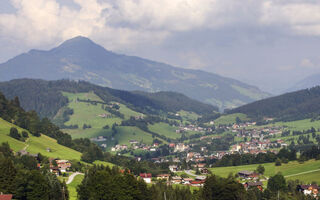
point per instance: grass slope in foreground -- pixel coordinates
(293, 170)
(37, 144)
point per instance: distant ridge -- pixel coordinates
(81, 59)
(45, 97)
(308, 82)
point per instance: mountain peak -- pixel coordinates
(78, 41)
(81, 45)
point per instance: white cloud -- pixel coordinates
(302, 17)
(123, 23)
(307, 63)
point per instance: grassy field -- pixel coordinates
(40, 144)
(98, 162)
(186, 116)
(72, 187)
(86, 113)
(37, 144)
(5, 126)
(230, 119)
(299, 125)
(165, 129)
(126, 133)
(292, 170)
(128, 112)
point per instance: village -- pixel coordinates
(246, 140)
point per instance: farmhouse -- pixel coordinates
(187, 181)
(63, 165)
(146, 177)
(176, 180)
(248, 174)
(257, 184)
(308, 189)
(197, 183)
(173, 168)
(163, 176)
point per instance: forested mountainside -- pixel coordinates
(287, 107)
(45, 97)
(81, 59)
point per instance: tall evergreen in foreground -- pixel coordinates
(21, 177)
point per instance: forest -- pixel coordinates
(287, 107)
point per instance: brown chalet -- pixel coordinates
(248, 174)
(257, 184)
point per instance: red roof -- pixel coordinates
(171, 145)
(196, 182)
(145, 175)
(5, 196)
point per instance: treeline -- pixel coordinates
(20, 176)
(137, 167)
(12, 112)
(108, 184)
(287, 107)
(237, 159)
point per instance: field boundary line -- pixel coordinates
(307, 172)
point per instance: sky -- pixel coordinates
(271, 44)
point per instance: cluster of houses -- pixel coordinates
(252, 181)
(59, 166)
(182, 128)
(196, 182)
(134, 145)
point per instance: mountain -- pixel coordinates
(46, 98)
(291, 106)
(308, 82)
(81, 59)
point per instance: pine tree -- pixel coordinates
(7, 175)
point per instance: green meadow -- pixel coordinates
(86, 113)
(165, 129)
(126, 133)
(292, 170)
(127, 112)
(230, 119)
(37, 144)
(188, 116)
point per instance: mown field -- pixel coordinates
(292, 170)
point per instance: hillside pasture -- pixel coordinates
(231, 118)
(165, 129)
(37, 144)
(291, 170)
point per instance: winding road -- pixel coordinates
(189, 172)
(71, 177)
